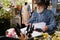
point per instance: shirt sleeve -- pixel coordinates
(31, 20)
(52, 23)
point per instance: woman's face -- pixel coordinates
(40, 8)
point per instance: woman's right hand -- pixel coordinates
(26, 24)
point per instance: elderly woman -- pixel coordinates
(43, 15)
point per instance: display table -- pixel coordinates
(41, 36)
(7, 38)
(34, 33)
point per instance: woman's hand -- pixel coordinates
(45, 28)
(26, 24)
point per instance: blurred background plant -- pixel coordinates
(6, 14)
(57, 18)
(6, 3)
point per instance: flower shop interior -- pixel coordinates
(18, 23)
